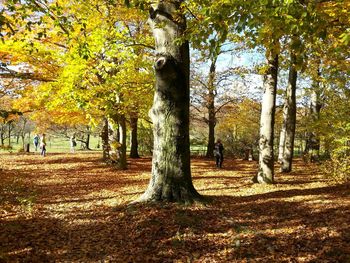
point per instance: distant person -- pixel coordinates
(73, 144)
(218, 153)
(43, 145)
(36, 141)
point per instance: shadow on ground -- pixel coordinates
(71, 221)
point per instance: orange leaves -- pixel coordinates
(79, 212)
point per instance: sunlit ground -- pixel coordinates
(74, 208)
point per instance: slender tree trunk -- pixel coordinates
(88, 136)
(2, 135)
(312, 138)
(211, 134)
(105, 140)
(282, 140)
(118, 141)
(211, 110)
(267, 121)
(122, 163)
(9, 132)
(290, 119)
(171, 174)
(23, 134)
(23, 140)
(134, 142)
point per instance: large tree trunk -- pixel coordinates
(105, 140)
(211, 110)
(171, 174)
(267, 121)
(290, 118)
(134, 142)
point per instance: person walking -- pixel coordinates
(218, 153)
(73, 144)
(43, 145)
(36, 141)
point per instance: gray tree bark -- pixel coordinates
(282, 139)
(171, 174)
(290, 118)
(122, 164)
(267, 122)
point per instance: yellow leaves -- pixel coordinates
(345, 38)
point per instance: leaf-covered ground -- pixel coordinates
(73, 208)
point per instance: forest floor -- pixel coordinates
(74, 208)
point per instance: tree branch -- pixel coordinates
(223, 105)
(20, 75)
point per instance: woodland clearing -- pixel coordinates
(74, 208)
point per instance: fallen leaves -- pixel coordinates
(73, 208)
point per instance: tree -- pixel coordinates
(210, 92)
(133, 137)
(238, 125)
(171, 174)
(92, 52)
(289, 114)
(104, 138)
(267, 121)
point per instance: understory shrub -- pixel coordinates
(337, 168)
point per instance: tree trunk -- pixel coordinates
(2, 135)
(88, 136)
(118, 141)
(282, 140)
(267, 121)
(23, 134)
(211, 110)
(134, 142)
(9, 124)
(171, 174)
(312, 138)
(122, 164)
(23, 140)
(290, 117)
(105, 140)
(211, 134)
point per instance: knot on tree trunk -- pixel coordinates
(160, 63)
(167, 67)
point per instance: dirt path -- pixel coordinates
(72, 208)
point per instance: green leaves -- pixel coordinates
(345, 37)
(83, 50)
